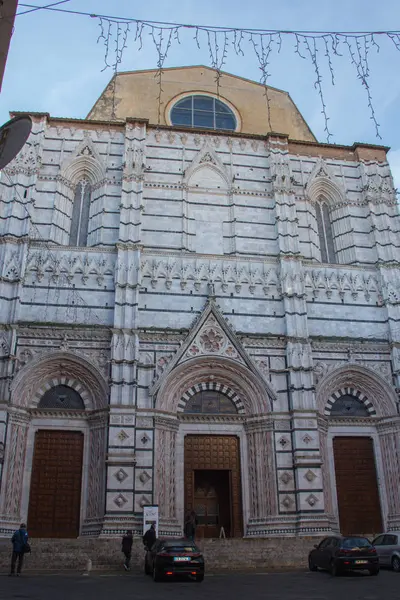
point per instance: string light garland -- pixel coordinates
(320, 48)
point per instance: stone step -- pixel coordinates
(220, 555)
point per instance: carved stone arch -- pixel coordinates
(245, 384)
(83, 167)
(213, 386)
(207, 159)
(322, 185)
(85, 163)
(355, 393)
(59, 368)
(378, 392)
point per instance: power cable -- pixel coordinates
(36, 8)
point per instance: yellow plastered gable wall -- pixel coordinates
(136, 95)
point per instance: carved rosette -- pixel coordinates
(211, 339)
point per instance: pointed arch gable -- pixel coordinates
(235, 352)
(379, 395)
(84, 163)
(59, 368)
(207, 158)
(322, 184)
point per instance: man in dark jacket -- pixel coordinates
(19, 541)
(127, 542)
(150, 537)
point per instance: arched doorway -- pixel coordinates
(54, 467)
(355, 470)
(357, 428)
(213, 416)
(212, 467)
(56, 480)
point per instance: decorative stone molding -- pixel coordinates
(247, 386)
(211, 385)
(208, 157)
(216, 341)
(351, 391)
(64, 368)
(323, 182)
(333, 282)
(226, 275)
(371, 385)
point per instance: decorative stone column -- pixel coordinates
(165, 475)
(261, 472)
(326, 473)
(94, 515)
(389, 436)
(14, 463)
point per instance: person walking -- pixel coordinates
(150, 537)
(20, 546)
(127, 542)
(190, 525)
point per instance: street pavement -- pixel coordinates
(265, 586)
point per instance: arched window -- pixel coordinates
(80, 214)
(325, 232)
(206, 112)
(62, 397)
(210, 402)
(349, 406)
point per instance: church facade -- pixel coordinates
(200, 313)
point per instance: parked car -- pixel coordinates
(388, 548)
(337, 554)
(174, 557)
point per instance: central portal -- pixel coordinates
(213, 484)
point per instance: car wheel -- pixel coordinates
(200, 578)
(146, 568)
(374, 571)
(156, 574)
(334, 569)
(396, 564)
(311, 565)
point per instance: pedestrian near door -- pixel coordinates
(20, 547)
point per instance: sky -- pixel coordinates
(55, 64)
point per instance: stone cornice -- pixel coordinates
(167, 423)
(211, 418)
(34, 243)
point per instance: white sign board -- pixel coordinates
(150, 517)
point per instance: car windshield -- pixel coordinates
(355, 542)
(178, 548)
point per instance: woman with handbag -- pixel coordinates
(20, 547)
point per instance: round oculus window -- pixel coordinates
(204, 112)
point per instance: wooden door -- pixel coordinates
(55, 494)
(215, 453)
(356, 486)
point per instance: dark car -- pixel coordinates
(338, 554)
(174, 557)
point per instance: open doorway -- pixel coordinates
(212, 502)
(213, 484)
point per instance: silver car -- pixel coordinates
(388, 548)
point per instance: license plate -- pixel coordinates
(181, 558)
(361, 562)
